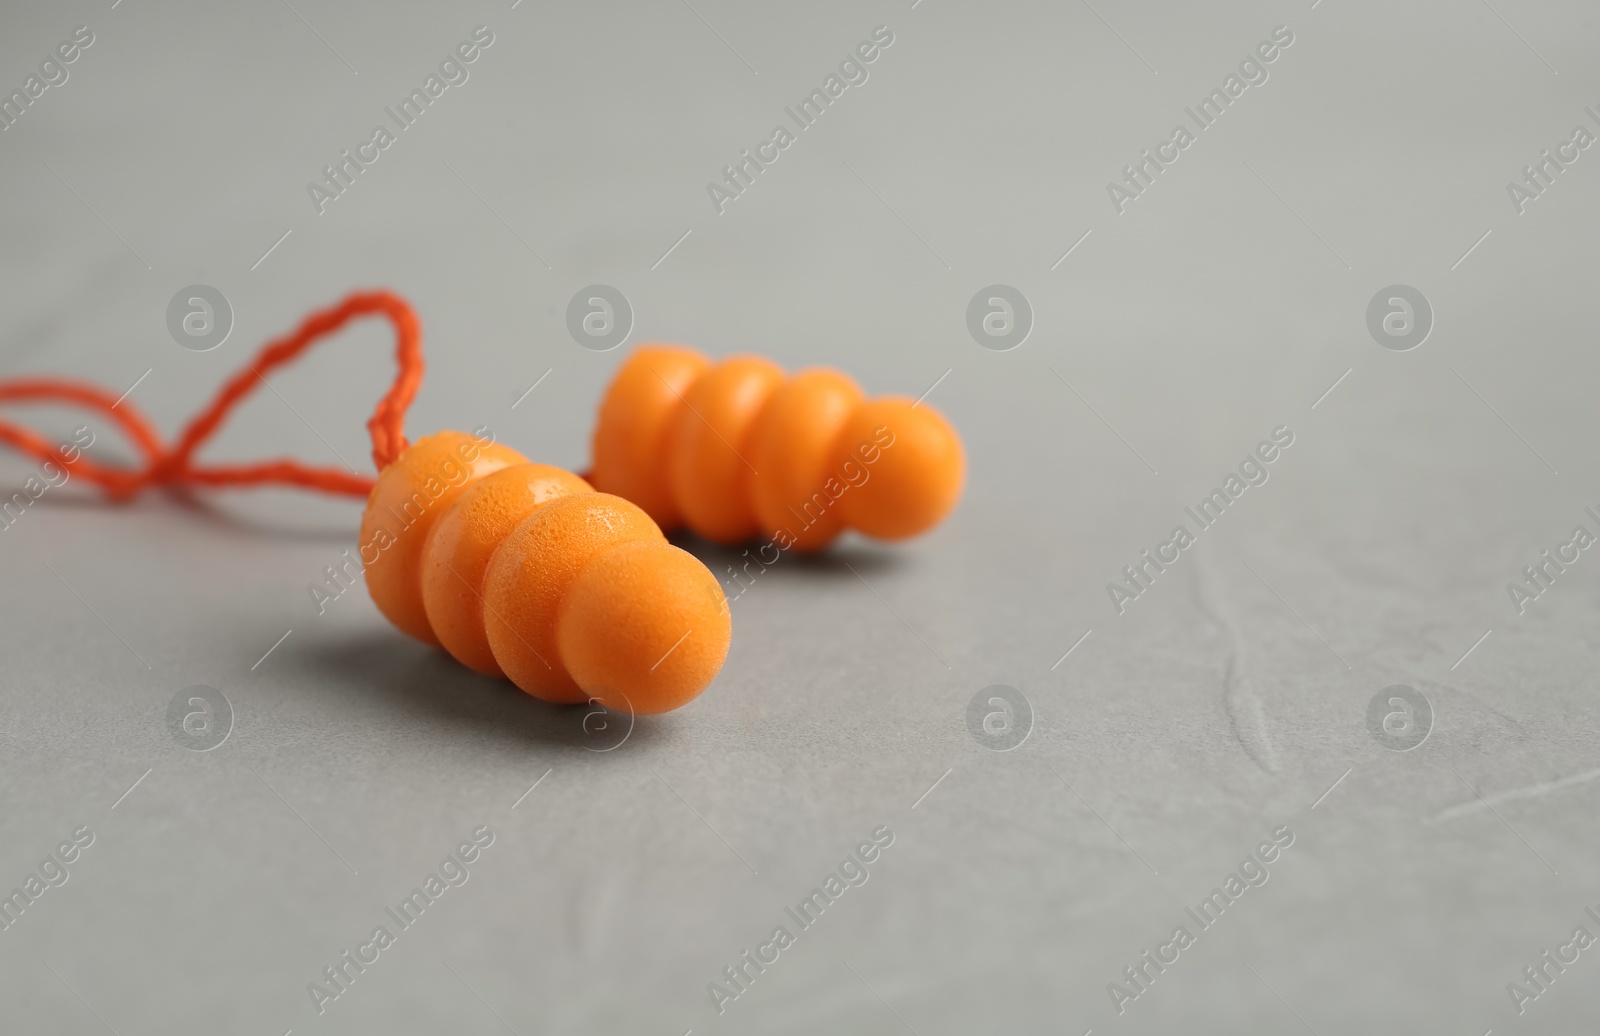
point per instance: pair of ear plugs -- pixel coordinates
(569, 587)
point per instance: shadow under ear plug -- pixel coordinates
(737, 448)
(584, 598)
(523, 570)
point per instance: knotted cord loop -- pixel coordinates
(175, 467)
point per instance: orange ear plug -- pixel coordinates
(495, 550)
(736, 448)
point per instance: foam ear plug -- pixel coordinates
(458, 549)
(409, 496)
(523, 570)
(736, 448)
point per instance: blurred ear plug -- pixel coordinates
(738, 449)
(523, 570)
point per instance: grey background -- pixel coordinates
(1222, 705)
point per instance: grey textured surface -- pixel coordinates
(1221, 304)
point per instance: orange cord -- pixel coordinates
(174, 468)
